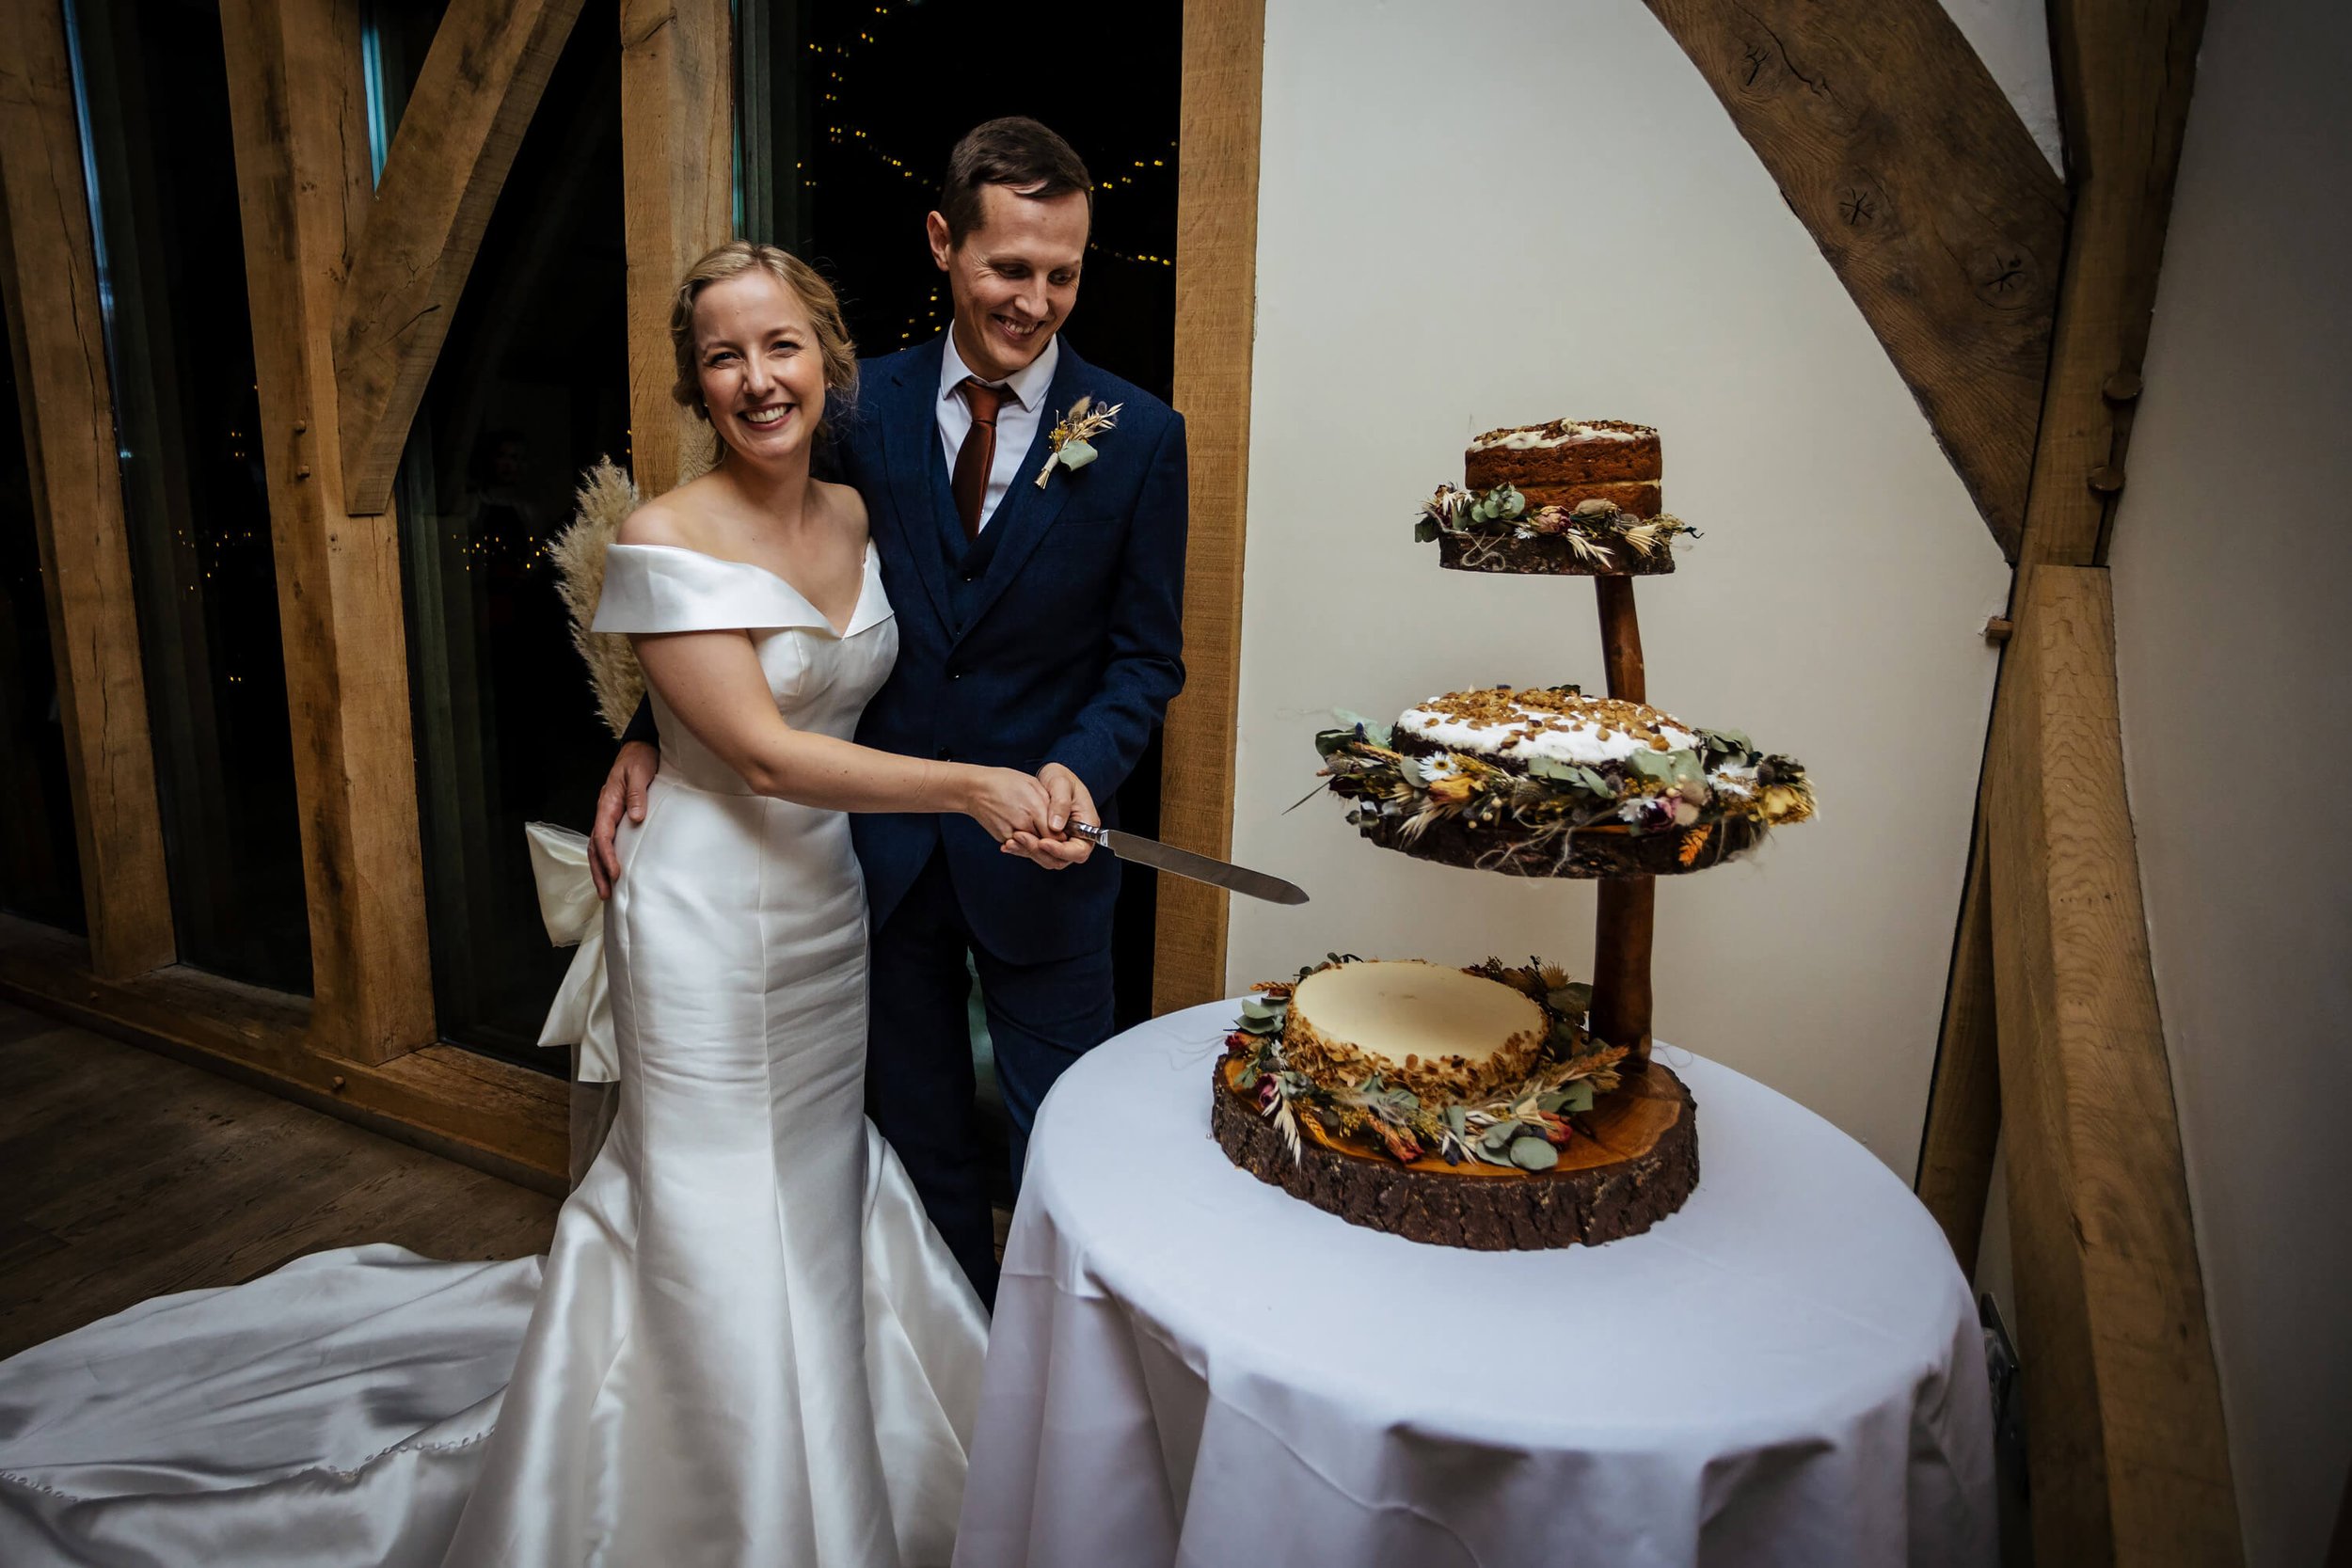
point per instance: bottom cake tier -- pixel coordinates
(1635, 1162)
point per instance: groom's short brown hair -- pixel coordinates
(1016, 152)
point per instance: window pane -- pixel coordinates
(172, 281)
(41, 875)
(532, 387)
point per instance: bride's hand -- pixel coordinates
(1006, 802)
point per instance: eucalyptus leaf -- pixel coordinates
(1579, 1097)
(1574, 999)
(1499, 1136)
(1248, 1077)
(1551, 1102)
(1652, 765)
(1456, 1119)
(1532, 1153)
(1424, 531)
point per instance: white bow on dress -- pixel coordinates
(583, 1013)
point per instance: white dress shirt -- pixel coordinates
(1016, 419)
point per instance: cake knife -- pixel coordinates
(1184, 863)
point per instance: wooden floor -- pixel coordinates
(125, 1175)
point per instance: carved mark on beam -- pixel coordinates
(481, 83)
(1900, 156)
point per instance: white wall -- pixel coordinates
(2012, 38)
(2232, 567)
(1502, 210)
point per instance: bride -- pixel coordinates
(749, 1346)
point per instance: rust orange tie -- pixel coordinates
(969, 483)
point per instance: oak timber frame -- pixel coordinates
(49, 274)
(1216, 271)
(369, 275)
(1989, 288)
(2015, 305)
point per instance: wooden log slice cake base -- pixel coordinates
(1638, 1164)
(1546, 555)
(1589, 852)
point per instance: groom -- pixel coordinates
(1039, 627)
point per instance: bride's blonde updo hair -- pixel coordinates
(732, 259)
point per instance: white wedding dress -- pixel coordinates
(749, 1347)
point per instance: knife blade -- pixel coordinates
(1184, 863)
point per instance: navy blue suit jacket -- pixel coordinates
(1058, 637)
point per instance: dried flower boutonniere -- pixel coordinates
(1073, 437)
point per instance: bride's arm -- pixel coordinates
(713, 682)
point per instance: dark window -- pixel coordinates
(40, 874)
(531, 387)
(171, 265)
(848, 114)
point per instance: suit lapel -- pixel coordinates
(1022, 519)
(909, 427)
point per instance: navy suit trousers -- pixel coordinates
(919, 1075)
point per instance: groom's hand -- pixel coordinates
(623, 790)
(1068, 801)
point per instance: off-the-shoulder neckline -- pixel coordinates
(865, 585)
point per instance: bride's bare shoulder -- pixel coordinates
(845, 503)
(669, 519)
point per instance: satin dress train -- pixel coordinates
(747, 1346)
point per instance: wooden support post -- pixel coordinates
(1623, 934)
(2125, 74)
(1623, 930)
(482, 79)
(2127, 1456)
(1216, 264)
(678, 177)
(2125, 70)
(304, 189)
(1965, 1109)
(1621, 639)
(49, 274)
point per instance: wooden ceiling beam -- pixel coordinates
(1903, 160)
(481, 83)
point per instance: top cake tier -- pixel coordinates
(1575, 498)
(1568, 461)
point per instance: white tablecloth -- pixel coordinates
(1191, 1367)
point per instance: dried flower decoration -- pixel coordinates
(1073, 439)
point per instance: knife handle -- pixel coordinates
(1087, 831)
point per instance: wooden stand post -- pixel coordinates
(1628, 905)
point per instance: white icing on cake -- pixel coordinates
(1529, 437)
(1583, 743)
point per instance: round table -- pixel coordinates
(1191, 1367)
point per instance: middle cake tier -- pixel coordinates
(1548, 782)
